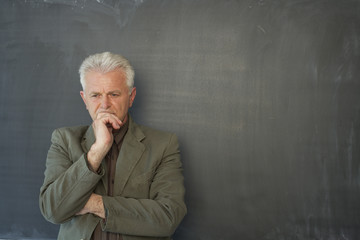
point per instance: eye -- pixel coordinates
(114, 94)
(95, 95)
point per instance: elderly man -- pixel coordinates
(114, 179)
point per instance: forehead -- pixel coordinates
(113, 79)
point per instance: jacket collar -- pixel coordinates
(88, 139)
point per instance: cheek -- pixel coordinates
(92, 106)
(122, 105)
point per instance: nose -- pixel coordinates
(105, 103)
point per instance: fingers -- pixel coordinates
(110, 120)
(94, 205)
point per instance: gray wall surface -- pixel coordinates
(263, 95)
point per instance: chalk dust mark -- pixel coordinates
(122, 10)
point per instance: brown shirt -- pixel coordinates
(110, 160)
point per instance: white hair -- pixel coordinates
(106, 62)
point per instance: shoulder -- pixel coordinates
(69, 134)
(149, 131)
(153, 136)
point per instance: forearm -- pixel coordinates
(142, 217)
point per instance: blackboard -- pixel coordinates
(264, 96)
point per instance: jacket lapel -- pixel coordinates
(131, 151)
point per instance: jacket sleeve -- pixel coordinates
(162, 212)
(68, 182)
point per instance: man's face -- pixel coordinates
(107, 93)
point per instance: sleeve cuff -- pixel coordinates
(103, 222)
(100, 170)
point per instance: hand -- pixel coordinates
(103, 126)
(94, 205)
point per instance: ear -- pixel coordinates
(132, 96)
(82, 94)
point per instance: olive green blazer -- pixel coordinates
(148, 191)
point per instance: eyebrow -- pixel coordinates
(111, 92)
(115, 91)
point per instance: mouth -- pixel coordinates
(105, 112)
